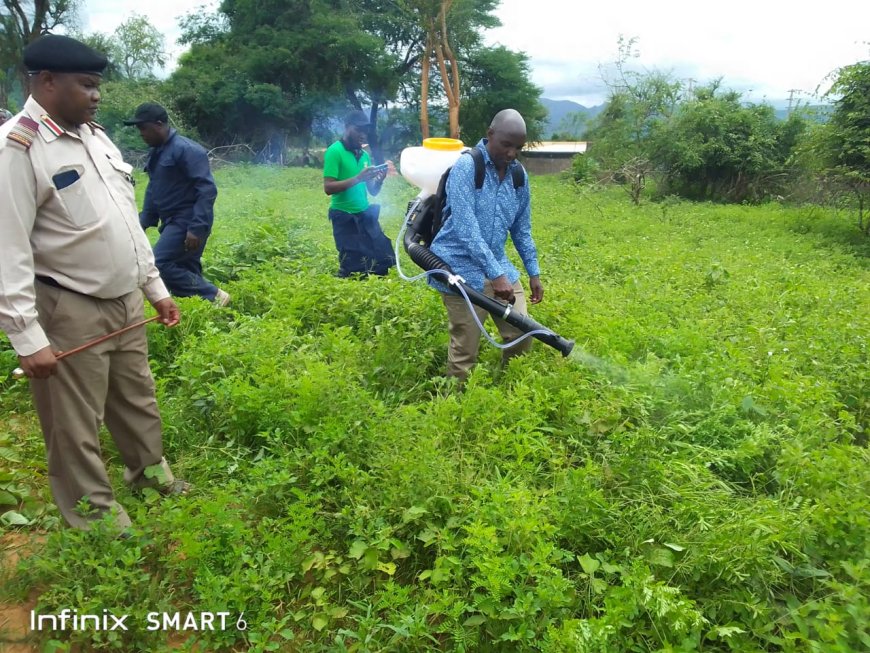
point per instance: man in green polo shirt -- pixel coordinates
(348, 177)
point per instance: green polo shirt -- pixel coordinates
(340, 164)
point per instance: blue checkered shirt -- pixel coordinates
(472, 240)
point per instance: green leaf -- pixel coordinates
(400, 552)
(749, 407)
(661, 557)
(413, 513)
(156, 472)
(10, 455)
(590, 565)
(317, 593)
(723, 632)
(308, 564)
(370, 559)
(13, 518)
(427, 536)
(611, 569)
(54, 646)
(150, 496)
(319, 622)
(7, 499)
(357, 549)
(674, 547)
(474, 620)
(389, 568)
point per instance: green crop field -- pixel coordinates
(695, 477)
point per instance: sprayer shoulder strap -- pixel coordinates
(517, 172)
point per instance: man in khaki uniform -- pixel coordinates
(74, 264)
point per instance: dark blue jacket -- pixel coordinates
(180, 188)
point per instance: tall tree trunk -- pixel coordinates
(29, 30)
(374, 136)
(451, 83)
(351, 96)
(424, 88)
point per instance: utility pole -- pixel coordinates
(691, 84)
(791, 93)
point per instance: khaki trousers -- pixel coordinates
(465, 336)
(110, 383)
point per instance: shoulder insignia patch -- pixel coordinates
(23, 132)
(95, 125)
(53, 127)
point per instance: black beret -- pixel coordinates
(61, 54)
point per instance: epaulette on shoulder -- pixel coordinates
(23, 132)
(95, 125)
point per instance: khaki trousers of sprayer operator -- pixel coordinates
(110, 383)
(465, 336)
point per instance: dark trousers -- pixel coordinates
(181, 270)
(362, 246)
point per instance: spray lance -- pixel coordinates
(423, 167)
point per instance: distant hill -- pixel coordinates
(816, 112)
(559, 109)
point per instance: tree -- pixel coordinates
(105, 44)
(709, 146)
(621, 136)
(638, 102)
(265, 69)
(21, 22)
(715, 148)
(438, 46)
(495, 79)
(571, 127)
(120, 97)
(138, 48)
(390, 76)
(842, 145)
(448, 27)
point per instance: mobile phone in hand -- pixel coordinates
(381, 168)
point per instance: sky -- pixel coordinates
(762, 48)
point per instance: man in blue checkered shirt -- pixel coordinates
(473, 238)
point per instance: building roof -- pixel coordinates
(556, 147)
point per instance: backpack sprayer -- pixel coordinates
(427, 168)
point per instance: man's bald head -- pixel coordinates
(509, 121)
(506, 137)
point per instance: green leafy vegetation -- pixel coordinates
(708, 143)
(695, 478)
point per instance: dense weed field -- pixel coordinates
(695, 478)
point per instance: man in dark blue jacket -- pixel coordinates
(180, 194)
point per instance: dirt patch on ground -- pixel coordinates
(15, 618)
(15, 634)
(15, 627)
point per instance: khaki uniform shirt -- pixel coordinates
(84, 234)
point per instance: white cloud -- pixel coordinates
(764, 46)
